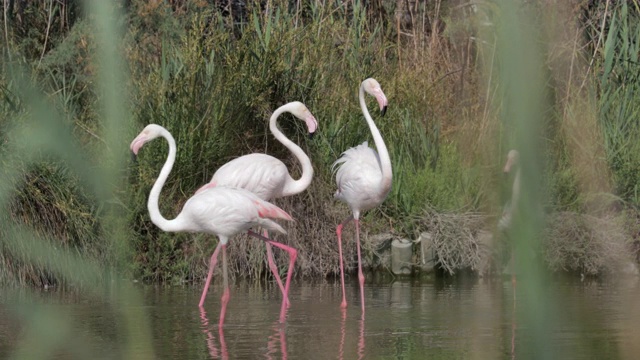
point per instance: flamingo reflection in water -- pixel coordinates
(278, 335)
(222, 353)
(343, 335)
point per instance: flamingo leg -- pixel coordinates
(274, 268)
(212, 265)
(225, 295)
(339, 233)
(293, 254)
(360, 274)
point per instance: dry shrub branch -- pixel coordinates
(455, 238)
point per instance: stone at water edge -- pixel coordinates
(401, 253)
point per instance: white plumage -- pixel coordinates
(363, 176)
(359, 178)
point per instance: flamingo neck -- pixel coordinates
(383, 153)
(295, 186)
(154, 195)
(515, 191)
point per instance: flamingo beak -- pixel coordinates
(508, 165)
(382, 100)
(312, 124)
(137, 143)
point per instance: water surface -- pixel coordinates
(470, 319)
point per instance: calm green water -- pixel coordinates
(471, 319)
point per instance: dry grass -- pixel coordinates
(455, 238)
(584, 243)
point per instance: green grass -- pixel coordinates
(213, 85)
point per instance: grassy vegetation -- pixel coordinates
(212, 76)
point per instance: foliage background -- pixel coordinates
(212, 72)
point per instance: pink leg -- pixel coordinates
(360, 274)
(339, 232)
(274, 269)
(212, 265)
(225, 296)
(293, 254)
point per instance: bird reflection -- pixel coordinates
(211, 340)
(343, 330)
(343, 333)
(361, 339)
(513, 326)
(278, 334)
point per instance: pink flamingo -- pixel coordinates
(269, 178)
(363, 177)
(220, 211)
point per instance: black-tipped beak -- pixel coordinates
(311, 135)
(383, 111)
(134, 157)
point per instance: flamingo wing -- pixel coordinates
(227, 211)
(261, 174)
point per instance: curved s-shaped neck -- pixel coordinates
(385, 161)
(297, 186)
(154, 195)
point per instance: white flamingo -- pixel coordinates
(513, 158)
(363, 177)
(220, 211)
(269, 178)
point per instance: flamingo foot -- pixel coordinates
(343, 305)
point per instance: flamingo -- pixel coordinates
(221, 211)
(363, 177)
(504, 223)
(513, 158)
(269, 178)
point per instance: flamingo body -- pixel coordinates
(359, 179)
(261, 174)
(225, 212)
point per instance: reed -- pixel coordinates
(212, 76)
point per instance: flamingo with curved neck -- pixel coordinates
(363, 177)
(221, 211)
(269, 178)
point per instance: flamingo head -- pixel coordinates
(512, 160)
(150, 132)
(300, 111)
(372, 87)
